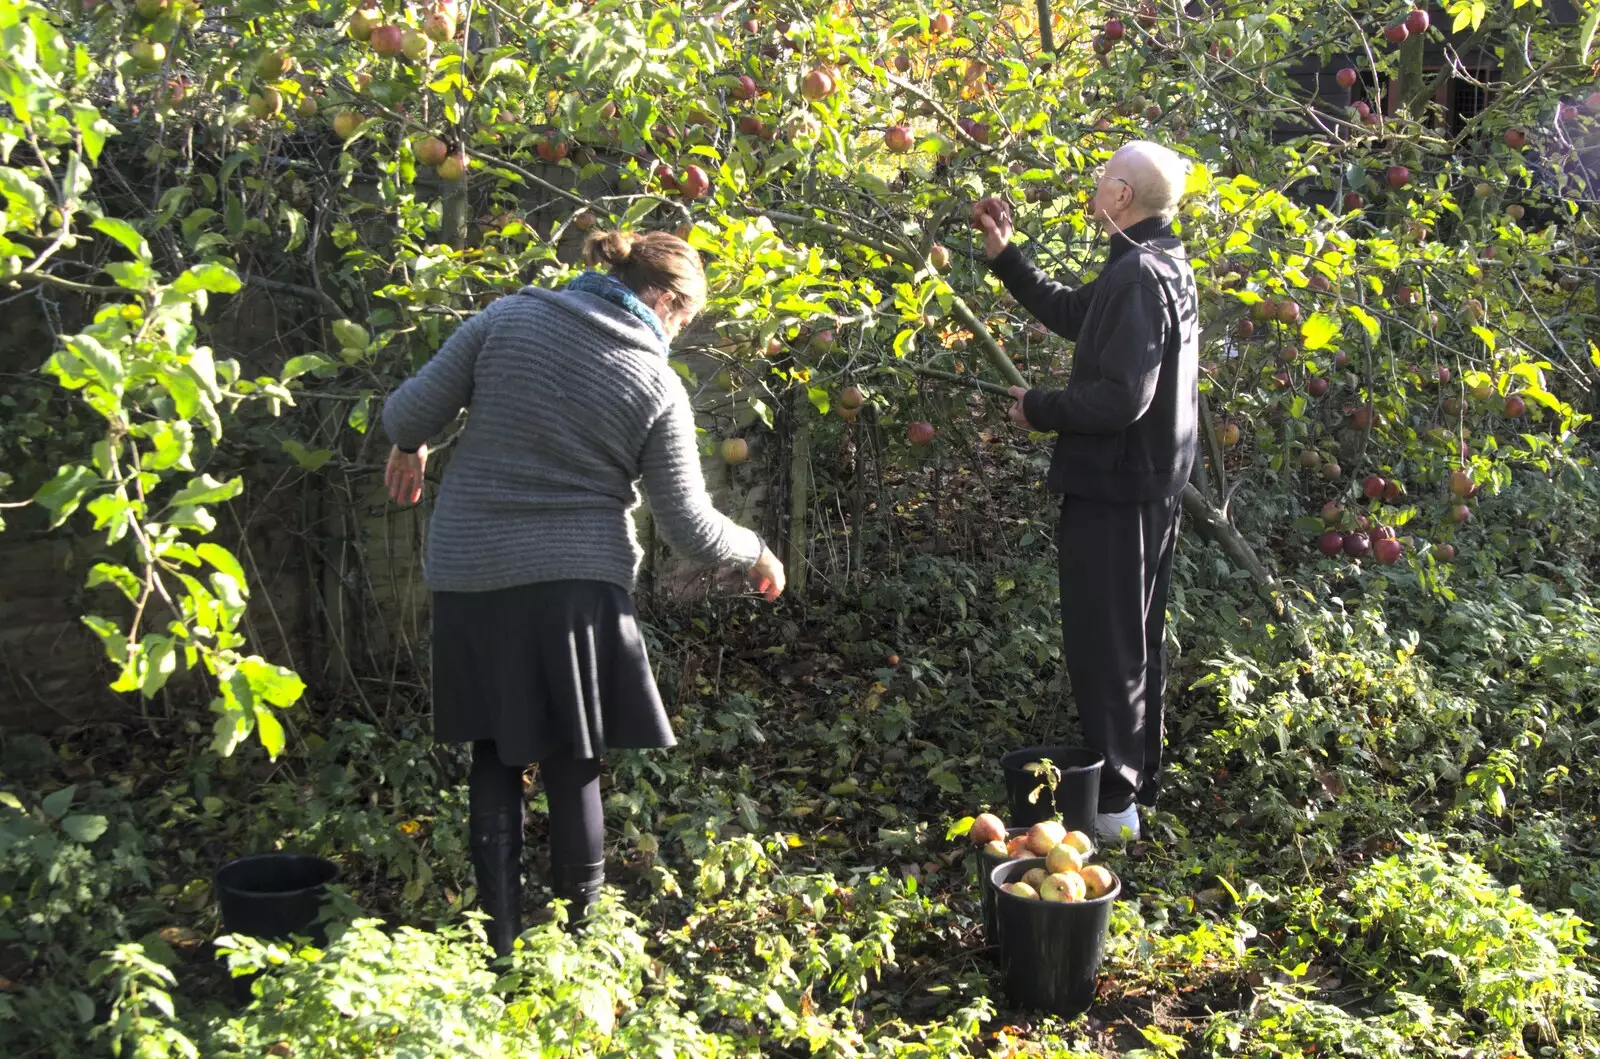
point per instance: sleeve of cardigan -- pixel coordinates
(427, 402)
(676, 490)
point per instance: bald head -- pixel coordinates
(1156, 174)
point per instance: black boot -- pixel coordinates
(578, 885)
(496, 838)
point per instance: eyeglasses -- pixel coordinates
(1099, 174)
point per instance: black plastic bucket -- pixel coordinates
(1050, 951)
(274, 895)
(986, 864)
(1077, 793)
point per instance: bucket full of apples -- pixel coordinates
(1047, 908)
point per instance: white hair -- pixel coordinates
(1157, 175)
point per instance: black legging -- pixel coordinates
(572, 787)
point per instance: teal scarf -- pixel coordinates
(604, 285)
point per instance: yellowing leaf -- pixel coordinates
(1318, 331)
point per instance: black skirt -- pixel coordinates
(556, 667)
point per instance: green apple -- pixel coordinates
(1063, 858)
(1045, 836)
(1021, 889)
(1063, 887)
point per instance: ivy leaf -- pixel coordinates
(57, 803)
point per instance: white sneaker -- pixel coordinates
(1109, 827)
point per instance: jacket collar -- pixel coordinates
(1138, 232)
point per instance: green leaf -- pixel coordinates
(1318, 331)
(306, 458)
(84, 828)
(134, 275)
(94, 129)
(222, 559)
(161, 661)
(1485, 334)
(278, 685)
(207, 490)
(57, 803)
(306, 362)
(1364, 318)
(112, 574)
(819, 399)
(350, 335)
(63, 493)
(102, 361)
(1586, 34)
(903, 342)
(26, 201)
(270, 732)
(209, 276)
(126, 234)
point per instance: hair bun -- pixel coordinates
(610, 248)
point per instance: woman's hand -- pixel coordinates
(403, 476)
(767, 575)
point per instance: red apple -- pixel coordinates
(454, 167)
(817, 84)
(1288, 312)
(1356, 544)
(745, 88)
(1393, 490)
(898, 139)
(1515, 407)
(1332, 471)
(939, 257)
(1353, 201)
(1114, 30)
(920, 433)
(439, 27)
(942, 23)
(1399, 176)
(1372, 486)
(1397, 33)
(1417, 21)
(1244, 330)
(1515, 139)
(1347, 77)
(1317, 386)
(1341, 360)
(1443, 374)
(363, 22)
(1460, 513)
(1446, 552)
(1515, 211)
(431, 150)
(987, 828)
(1387, 551)
(1361, 418)
(388, 40)
(1331, 542)
(902, 62)
(1363, 109)
(749, 125)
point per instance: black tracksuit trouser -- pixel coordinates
(1116, 567)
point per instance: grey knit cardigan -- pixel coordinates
(570, 402)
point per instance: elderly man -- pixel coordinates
(1125, 443)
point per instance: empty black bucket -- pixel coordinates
(987, 863)
(1077, 793)
(274, 895)
(1050, 951)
